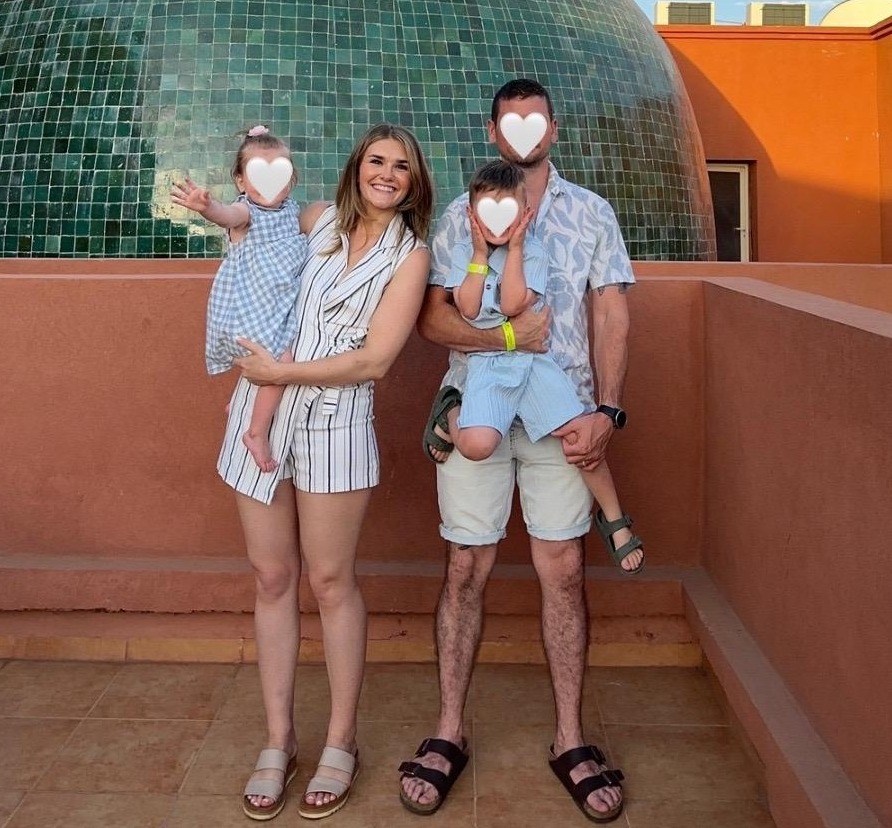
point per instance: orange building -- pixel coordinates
(797, 129)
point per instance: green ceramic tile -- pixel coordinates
(103, 101)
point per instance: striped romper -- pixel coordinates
(323, 438)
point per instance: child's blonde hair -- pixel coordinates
(256, 137)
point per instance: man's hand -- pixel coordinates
(531, 330)
(585, 439)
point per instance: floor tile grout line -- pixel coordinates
(14, 811)
(80, 720)
(193, 760)
(233, 679)
(108, 685)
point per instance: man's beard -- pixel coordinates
(531, 161)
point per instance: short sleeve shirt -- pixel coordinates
(585, 252)
(535, 273)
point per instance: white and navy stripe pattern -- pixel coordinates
(322, 437)
(254, 292)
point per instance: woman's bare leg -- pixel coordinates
(329, 532)
(271, 540)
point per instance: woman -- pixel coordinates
(361, 290)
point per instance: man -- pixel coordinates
(587, 262)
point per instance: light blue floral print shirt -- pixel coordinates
(585, 251)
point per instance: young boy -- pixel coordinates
(493, 278)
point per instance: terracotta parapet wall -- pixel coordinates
(798, 441)
(111, 426)
(861, 284)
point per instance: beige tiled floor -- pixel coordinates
(152, 745)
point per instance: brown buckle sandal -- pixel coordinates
(562, 766)
(456, 755)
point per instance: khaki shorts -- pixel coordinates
(475, 496)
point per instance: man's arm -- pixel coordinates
(441, 323)
(610, 333)
(585, 439)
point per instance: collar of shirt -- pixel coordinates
(553, 189)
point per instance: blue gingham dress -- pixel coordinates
(254, 293)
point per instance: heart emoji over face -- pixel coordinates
(522, 134)
(269, 178)
(497, 215)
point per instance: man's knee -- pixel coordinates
(468, 567)
(558, 562)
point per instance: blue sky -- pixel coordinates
(734, 11)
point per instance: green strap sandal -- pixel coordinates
(447, 398)
(606, 528)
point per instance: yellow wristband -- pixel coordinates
(510, 341)
(483, 270)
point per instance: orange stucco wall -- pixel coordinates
(802, 106)
(884, 71)
(798, 441)
(111, 426)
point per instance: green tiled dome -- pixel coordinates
(104, 102)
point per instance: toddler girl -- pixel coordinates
(254, 292)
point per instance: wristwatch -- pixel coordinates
(617, 415)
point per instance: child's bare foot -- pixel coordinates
(258, 445)
(633, 560)
(625, 549)
(439, 455)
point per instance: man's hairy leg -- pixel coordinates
(559, 565)
(458, 626)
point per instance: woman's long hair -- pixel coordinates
(418, 205)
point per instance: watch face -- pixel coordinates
(620, 419)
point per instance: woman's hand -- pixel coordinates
(260, 367)
(190, 195)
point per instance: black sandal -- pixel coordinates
(580, 791)
(443, 782)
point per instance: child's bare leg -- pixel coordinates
(256, 438)
(600, 484)
(475, 443)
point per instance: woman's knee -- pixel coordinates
(275, 580)
(331, 587)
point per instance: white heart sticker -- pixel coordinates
(522, 134)
(497, 215)
(269, 178)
